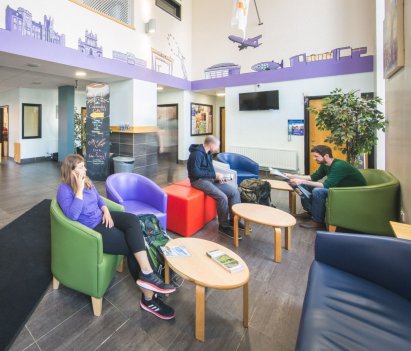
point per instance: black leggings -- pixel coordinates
(125, 238)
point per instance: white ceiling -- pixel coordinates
(17, 72)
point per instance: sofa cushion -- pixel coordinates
(345, 312)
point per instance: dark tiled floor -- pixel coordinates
(63, 320)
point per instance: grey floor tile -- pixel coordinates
(130, 337)
(54, 309)
(83, 331)
(23, 341)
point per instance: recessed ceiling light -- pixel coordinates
(160, 88)
(33, 65)
(81, 74)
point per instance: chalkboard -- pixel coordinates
(97, 131)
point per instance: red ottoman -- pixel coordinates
(185, 209)
(210, 205)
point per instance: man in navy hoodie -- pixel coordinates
(203, 177)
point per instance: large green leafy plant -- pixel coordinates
(353, 122)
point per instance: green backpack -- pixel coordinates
(255, 191)
(154, 237)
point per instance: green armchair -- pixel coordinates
(368, 209)
(77, 258)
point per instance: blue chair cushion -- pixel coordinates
(344, 312)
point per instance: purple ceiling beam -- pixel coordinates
(16, 44)
(315, 69)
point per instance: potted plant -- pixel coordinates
(353, 122)
(79, 139)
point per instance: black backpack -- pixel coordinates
(255, 191)
(154, 237)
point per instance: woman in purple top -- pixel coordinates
(120, 231)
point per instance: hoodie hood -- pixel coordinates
(196, 147)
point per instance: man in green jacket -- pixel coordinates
(339, 174)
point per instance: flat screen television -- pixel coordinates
(261, 100)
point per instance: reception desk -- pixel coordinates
(139, 143)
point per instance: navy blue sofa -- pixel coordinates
(358, 294)
(246, 168)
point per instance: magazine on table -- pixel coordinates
(300, 190)
(174, 251)
(227, 262)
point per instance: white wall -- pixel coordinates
(11, 98)
(79, 99)
(73, 20)
(121, 102)
(48, 98)
(269, 129)
(134, 102)
(200, 99)
(398, 107)
(290, 27)
(184, 100)
(144, 103)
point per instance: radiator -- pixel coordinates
(282, 159)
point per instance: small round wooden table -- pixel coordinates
(284, 186)
(268, 216)
(205, 273)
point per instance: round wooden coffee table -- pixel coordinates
(205, 273)
(268, 216)
(284, 186)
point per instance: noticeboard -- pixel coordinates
(97, 131)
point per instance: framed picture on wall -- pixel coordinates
(161, 62)
(31, 123)
(393, 37)
(201, 119)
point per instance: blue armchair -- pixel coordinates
(246, 168)
(358, 294)
(138, 195)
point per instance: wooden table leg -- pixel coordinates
(200, 309)
(166, 272)
(292, 202)
(246, 227)
(236, 230)
(245, 305)
(288, 238)
(277, 245)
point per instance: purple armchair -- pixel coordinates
(138, 195)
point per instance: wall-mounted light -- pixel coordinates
(220, 94)
(151, 26)
(160, 88)
(81, 74)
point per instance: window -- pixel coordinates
(121, 11)
(170, 6)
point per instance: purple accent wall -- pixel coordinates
(14, 43)
(316, 69)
